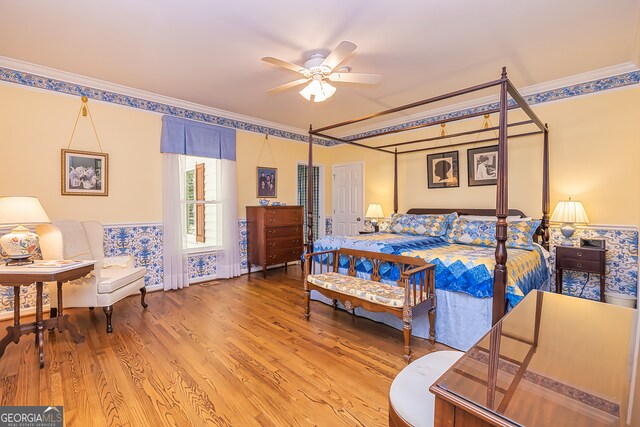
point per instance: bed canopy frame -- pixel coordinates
(502, 204)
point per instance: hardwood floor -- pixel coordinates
(238, 353)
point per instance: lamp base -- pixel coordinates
(17, 262)
(567, 231)
(20, 244)
(374, 223)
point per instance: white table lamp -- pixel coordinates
(374, 211)
(569, 213)
(20, 243)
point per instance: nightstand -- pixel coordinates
(367, 232)
(585, 260)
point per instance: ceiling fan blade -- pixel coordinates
(284, 64)
(339, 54)
(355, 78)
(287, 85)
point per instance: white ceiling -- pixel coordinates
(208, 52)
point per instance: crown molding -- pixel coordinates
(558, 84)
(76, 79)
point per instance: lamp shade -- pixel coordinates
(374, 211)
(569, 211)
(22, 210)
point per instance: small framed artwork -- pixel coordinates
(85, 173)
(483, 166)
(267, 182)
(442, 170)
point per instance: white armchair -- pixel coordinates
(112, 279)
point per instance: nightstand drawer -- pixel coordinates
(580, 265)
(580, 254)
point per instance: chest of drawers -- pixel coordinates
(274, 235)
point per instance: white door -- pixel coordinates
(348, 199)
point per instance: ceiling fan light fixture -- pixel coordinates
(319, 90)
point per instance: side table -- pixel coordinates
(26, 275)
(585, 260)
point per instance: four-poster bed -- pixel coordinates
(500, 273)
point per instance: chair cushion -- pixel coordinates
(410, 396)
(112, 279)
(379, 293)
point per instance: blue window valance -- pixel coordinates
(182, 136)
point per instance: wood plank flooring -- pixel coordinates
(238, 353)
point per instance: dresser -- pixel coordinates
(274, 235)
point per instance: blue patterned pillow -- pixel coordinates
(427, 225)
(483, 233)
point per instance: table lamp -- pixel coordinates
(374, 211)
(20, 243)
(569, 213)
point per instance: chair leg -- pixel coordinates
(108, 311)
(143, 291)
(432, 326)
(307, 310)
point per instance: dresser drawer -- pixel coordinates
(282, 216)
(581, 265)
(278, 256)
(284, 242)
(580, 254)
(292, 231)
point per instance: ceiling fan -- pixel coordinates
(318, 69)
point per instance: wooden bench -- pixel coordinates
(413, 295)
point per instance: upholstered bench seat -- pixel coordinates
(379, 293)
(410, 398)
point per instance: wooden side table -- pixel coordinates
(585, 260)
(26, 275)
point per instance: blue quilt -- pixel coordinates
(459, 268)
(386, 243)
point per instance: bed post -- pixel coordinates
(310, 195)
(502, 209)
(395, 181)
(546, 202)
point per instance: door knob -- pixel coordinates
(358, 219)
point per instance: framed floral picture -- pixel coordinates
(267, 182)
(442, 170)
(85, 173)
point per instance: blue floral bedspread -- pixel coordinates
(459, 268)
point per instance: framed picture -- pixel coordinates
(267, 182)
(85, 173)
(442, 170)
(483, 165)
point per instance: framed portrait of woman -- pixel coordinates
(483, 166)
(267, 182)
(442, 170)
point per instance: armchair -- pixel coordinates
(112, 279)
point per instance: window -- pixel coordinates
(302, 197)
(202, 202)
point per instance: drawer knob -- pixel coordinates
(272, 220)
(579, 253)
(272, 231)
(272, 243)
(579, 265)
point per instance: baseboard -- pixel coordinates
(24, 312)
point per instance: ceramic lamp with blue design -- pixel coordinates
(20, 243)
(569, 213)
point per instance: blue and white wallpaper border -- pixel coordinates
(46, 83)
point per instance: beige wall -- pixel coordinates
(595, 151)
(594, 157)
(35, 125)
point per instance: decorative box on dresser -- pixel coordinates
(274, 235)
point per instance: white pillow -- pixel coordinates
(117, 261)
(513, 218)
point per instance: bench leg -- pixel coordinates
(432, 326)
(307, 298)
(407, 317)
(335, 304)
